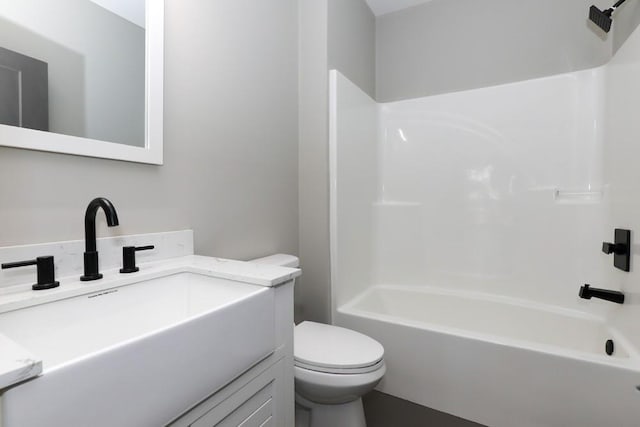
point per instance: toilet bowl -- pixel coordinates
(334, 368)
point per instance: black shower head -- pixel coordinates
(602, 18)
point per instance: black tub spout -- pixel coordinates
(587, 292)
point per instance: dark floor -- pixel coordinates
(383, 410)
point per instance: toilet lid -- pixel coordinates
(327, 346)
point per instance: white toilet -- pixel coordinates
(334, 368)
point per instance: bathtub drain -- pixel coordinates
(608, 347)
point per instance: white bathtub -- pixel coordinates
(498, 361)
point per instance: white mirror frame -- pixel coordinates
(151, 153)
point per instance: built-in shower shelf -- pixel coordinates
(578, 197)
(397, 203)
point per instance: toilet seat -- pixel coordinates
(338, 371)
(332, 349)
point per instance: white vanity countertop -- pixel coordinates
(243, 271)
(17, 364)
(21, 296)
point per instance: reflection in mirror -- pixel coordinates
(24, 91)
(82, 77)
(86, 60)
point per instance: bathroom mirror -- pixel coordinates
(83, 77)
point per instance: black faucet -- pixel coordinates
(91, 254)
(587, 292)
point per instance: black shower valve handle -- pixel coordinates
(620, 248)
(45, 271)
(129, 257)
(614, 248)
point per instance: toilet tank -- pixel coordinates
(282, 260)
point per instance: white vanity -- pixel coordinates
(186, 341)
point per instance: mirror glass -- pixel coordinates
(82, 77)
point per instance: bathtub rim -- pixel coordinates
(630, 361)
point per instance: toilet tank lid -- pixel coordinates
(282, 260)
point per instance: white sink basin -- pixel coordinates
(136, 355)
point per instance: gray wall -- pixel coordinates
(333, 34)
(445, 46)
(351, 42)
(312, 292)
(626, 20)
(230, 169)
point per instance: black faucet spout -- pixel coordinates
(91, 254)
(587, 292)
(90, 220)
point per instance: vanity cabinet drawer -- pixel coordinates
(257, 398)
(268, 422)
(259, 417)
(238, 411)
(256, 419)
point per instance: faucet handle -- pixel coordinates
(46, 271)
(129, 258)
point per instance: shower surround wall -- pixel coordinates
(463, 225)
(622, 174)
(492, 190)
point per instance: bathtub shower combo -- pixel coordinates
(462, 228)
